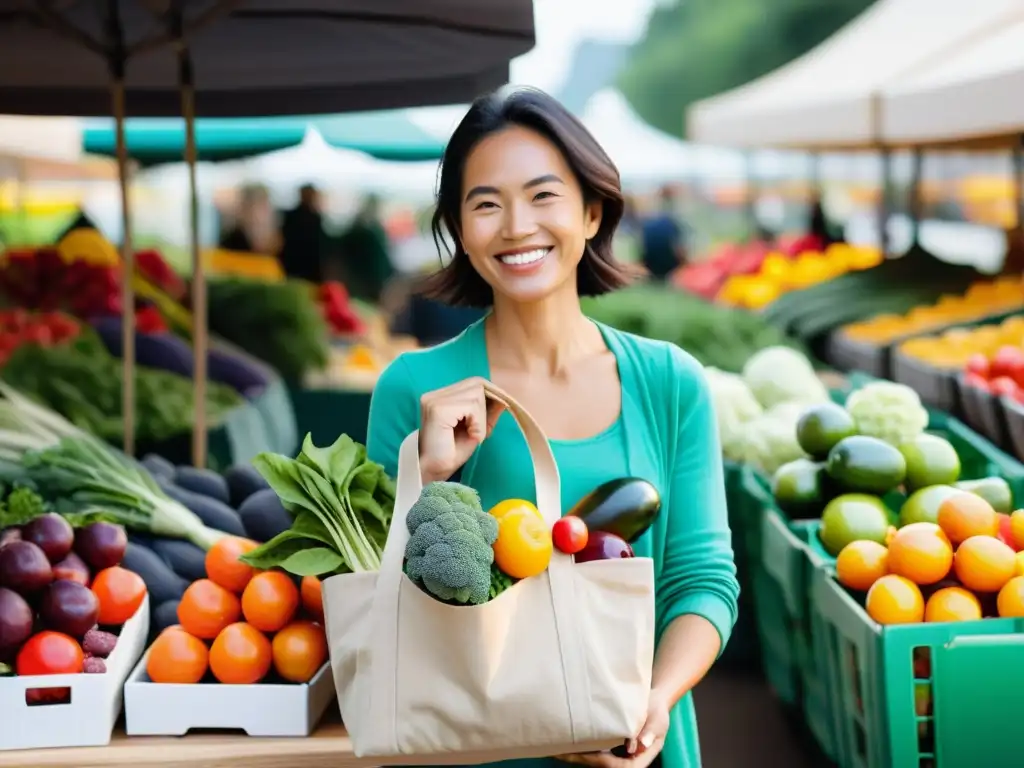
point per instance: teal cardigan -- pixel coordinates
(669, 438)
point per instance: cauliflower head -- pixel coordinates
(781, 374)
(450, 550)
(887, 410)
(770, 441)
(735, 406)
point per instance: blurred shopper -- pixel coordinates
(663, 245)
(303, 240)
(365, 253)
(254, 229)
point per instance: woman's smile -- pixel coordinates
(524, 260)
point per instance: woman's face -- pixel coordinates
(524, 221)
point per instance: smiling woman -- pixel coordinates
(552, 215)
(530, 203)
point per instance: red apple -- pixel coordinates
(1006, 532)
(977, 381)
(977, 364)
(1004, 385)
(1006, 361)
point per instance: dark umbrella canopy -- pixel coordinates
(257, 57)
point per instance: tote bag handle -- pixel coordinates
(385, 606)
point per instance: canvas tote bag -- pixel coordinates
(558, 663)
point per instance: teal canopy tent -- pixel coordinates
(387, 135)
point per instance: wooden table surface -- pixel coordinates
(328, 747)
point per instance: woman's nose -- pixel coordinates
(518, 222)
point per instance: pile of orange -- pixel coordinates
(948, 570)
(240, 623)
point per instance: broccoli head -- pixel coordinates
(449, 551)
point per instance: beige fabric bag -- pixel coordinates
(558, 663)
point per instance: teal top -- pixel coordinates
(666, 433)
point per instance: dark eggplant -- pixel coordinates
(161, 582)
(205, 482)
(213, 513)
(243, 481)
(602, 545)
(164, 615)
(626, 507)
(235, 371)
(158, 466)
(163, 351)
(185, 558)
(264, 516)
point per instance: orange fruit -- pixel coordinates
(1010, 600)
(502, 508)
(1019, 566)
(177, 657)
(119, 592)
(270, 600)
(952, 604)
(524, 546)
(241, 655)
(963, 515)
(984, 564)
(889, 533)
(921, 552)
(861, 563)
(1017, 527)
(223, 566)
(299, 650)
(206, 608)
(895, 600)
(311, 593)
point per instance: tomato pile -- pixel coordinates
(18, 326)
(1003, 374)
(337, 310)
(64, 598)
(239, 624)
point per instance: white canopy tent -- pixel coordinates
(972, 96)
(829, 98)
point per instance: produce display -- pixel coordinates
(955, 348)
(64, 595)
(757, 411)
(340, 315)
(279, 323)
(981, 300)
(895, 286)
(238, 626)
(778, 274)
(19, 327)
(717, 336)
(82, 381)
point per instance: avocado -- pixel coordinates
(866, 465)
(799, 488)
(931, 460)
(994, 490)
(822, 426)
(853, 517)
(625, 507)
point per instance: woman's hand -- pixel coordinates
(453, 422)
(642, 750)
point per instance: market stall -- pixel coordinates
(982, 80)
(829, 97)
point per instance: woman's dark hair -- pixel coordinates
(458, 283)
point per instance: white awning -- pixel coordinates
(828, 98)
(976, 94)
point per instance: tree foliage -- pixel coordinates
(694, 49)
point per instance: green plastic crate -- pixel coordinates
(920, 695)
(742, 650)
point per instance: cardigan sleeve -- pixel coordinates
(394, 414)
(698, 574)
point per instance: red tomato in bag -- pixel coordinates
(570, 534)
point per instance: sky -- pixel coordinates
(562, 24)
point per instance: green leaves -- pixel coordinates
(342, 503)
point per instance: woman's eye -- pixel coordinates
(485, 204)
(543, 195)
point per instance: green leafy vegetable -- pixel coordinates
(342, 504)
(21, 505)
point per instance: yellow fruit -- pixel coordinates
(964, 515)
(1010, 601)
(984, 564)
(895, 600)
(861, 563)
(502, 508)
(524, 546)
(1018, 564)
(921, 552)
(952, 604)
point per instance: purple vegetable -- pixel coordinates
(234, 370)
(24, 567)
(15, 621)
(602, 545)
(163, 351)
(94, 666)
(52, 534)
